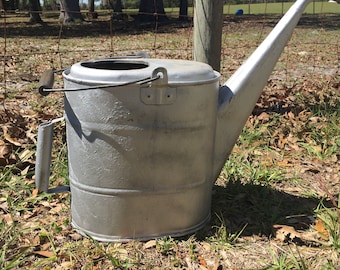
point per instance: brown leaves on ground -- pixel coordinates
(288, 234)
(17, 127)
(37, 226)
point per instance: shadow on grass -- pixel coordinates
(254, 209)
(89, 28)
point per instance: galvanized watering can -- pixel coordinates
(147, 138)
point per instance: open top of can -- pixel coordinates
(117, 71)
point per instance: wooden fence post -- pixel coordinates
(208, 21)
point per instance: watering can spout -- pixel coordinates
(238, 96)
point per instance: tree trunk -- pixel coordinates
(151, 10)
(34, 10)
(70, 11)
(106, 4)
(92, 14)
(118, 6)
(183, 10)
(91, 5)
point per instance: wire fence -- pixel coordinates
(29, 49)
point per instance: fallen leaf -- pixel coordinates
(282, 141)
(150, 244)
(4, 205)
(284, 163)
(56, 209)
(35, 193)
(5, 153)
(35, 241)
(202, 261)
(31, 135)
(46, 246)
(315, 119)
(263, 117)
(123, 254)
(76, 236)
(285, 233)
(8, 218)
(320, 227)
(47, 254)
(65, 265)
(291, 116)
(8, 137)
(45, 203)
(25, 171)
(5, 149)
(25, 155)
(206, 246)
(189, 263)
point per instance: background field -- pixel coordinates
(275, 204)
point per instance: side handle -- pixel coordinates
(46, 82)
(43, 158)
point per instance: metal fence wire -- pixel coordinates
(28, 49)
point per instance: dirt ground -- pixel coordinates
(274, 206)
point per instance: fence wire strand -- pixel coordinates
(157, 46)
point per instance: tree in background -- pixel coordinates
(183, 10)
(34, 10)
(91, 9)
(70, 11)
(118, 6)
(151, 10)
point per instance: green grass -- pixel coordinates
(267, 8)
(280, 8)
(330, 216)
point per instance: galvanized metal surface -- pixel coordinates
(43, 158)
(141, 169)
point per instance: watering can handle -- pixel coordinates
(46, 82)
(47, 78)
(43, 158)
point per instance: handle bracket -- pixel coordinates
(158, 92)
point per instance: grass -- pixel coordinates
(281, 8)
(330, 217)
(317, 7)
(283, 170)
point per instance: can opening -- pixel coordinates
(115, 65)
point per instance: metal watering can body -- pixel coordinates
(140, 155)
(147, 138)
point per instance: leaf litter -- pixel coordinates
(289, 116)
